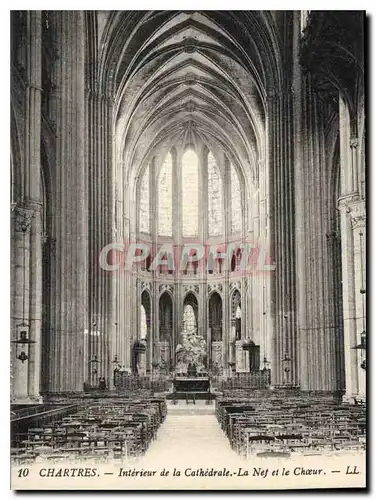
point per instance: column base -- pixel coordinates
(354, 398)
(27, 400)
(241, 358)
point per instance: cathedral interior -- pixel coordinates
(187, 200)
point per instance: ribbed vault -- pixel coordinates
(183, 76)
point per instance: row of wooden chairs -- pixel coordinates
(259, 379)
(158, 384)
(266, 422)
(103, 429)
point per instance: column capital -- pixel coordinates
(355, 209)
(358, 221)
(351, 203)
(23, 215)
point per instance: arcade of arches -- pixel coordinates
(184, 129)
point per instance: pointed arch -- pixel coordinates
(189, 320)
(145, 313)
(143, 323)
(215, 316)
(190, 313)
(236, 313)
(165, 317)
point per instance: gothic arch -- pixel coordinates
(190, 299)
(237, 322)
(146, 303)
(215, 316)
(235, 300)
(166, 317)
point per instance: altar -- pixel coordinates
(191, 384)
(191, 388)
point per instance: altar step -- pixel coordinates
(198, 395)
(182, 408)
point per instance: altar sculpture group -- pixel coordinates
(191, 358)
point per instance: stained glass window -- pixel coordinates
(145, 202)
(190, 193)
(165, 198)
(236, 205)
(238, 313)
(214, 197)
(143, 323)
(189, 320)
(190, 199)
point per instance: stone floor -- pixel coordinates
(189, 437)
(199, 408)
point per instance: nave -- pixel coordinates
(187, 174)
(188, 231)
(154, 429)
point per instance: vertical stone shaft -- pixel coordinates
(282, 216)
(26, 262)
(67, 339)
(104, 322)
(227, 338)
(317, 323)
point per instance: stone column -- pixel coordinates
(228, 333)
(282, 208)
(156, 322)
(263, 271)
(35, 298)
(102, 302)
(149, 349)
(153, 328)
(70, 288)
(232, 336)
(318, 327)
(351, 205)
(26, 260)
(317, 321)
(203, 302)
(177, 300)
(353, 237)
(358, 224)
(26, 313)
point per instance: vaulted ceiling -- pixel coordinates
(180, 76)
